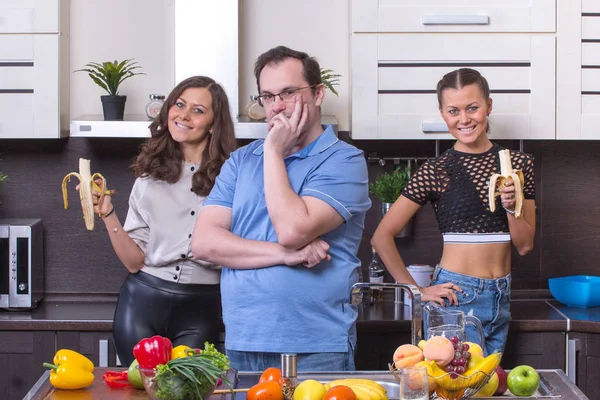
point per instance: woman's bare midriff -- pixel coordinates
(489, 261)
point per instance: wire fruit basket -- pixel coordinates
(451, 386)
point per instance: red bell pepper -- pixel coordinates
(116, 379)
(153, 351)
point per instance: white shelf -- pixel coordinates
(136, 126)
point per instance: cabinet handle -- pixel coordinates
(455, 20)
(434, 127)
(573, 347)
(103, 353)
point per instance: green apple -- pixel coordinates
(133, 375)
(523, 380)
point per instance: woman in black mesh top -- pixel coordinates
(473, 274)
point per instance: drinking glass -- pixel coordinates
(414, 383)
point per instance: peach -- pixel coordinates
(407, 355)
(440, 350)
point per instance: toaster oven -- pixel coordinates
(21, 263)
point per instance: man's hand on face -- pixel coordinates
(284, 133)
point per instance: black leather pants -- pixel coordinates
(147, 306)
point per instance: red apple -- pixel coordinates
(502, 385)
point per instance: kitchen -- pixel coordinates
(81, 267)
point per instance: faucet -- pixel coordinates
(416, 307)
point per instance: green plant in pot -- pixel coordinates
(109, 75)
(330, 79)
(388, 187)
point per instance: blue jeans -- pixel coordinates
(306, 362)
(486, 299)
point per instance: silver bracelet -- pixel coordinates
(508, 211)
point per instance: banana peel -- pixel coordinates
(86, 186)
(507, 172)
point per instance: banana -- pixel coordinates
(365, 393)
(365, 389)
(86, 185)
(507, 172)
(487, 366)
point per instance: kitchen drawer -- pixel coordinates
(29, 16)
(395, 78)
(453, 16)
(590, 6)
(29, 86)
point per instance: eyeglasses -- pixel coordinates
(287, 96)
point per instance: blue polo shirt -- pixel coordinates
(293, 308)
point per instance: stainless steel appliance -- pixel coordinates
(21, 263)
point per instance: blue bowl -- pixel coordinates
(576, 291)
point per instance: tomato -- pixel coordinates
(340, 392)
(269, 390)
(271, 374)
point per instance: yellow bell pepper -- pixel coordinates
(181, 351)
(70, 370)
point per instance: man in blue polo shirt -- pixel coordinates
(285, 219)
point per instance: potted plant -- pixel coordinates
(330, 79)
(388, 187)
(109, 75)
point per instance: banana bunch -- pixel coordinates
(474, 377)
(86, 185)
(365, 389)
(507, 172)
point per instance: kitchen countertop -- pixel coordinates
(75, 313)
(554, 382)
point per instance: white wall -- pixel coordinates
(104, 30)
(320, 28)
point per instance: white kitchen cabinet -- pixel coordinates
(453, 16)
(34, 68)
(578, 70)
(30, 16)
(395, 75)
(401, 49)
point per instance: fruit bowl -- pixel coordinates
(174, 386)
(451, 386)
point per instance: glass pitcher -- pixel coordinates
(444, 321)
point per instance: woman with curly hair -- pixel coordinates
(168, 292)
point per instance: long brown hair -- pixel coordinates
(161, 157)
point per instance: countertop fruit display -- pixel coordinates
(456, 370)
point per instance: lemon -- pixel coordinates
(309, 390)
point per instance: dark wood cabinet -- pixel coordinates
(22, 354)
(541, 350)
(376, 347)
(97, 346)
(587, 362)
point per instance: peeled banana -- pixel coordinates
(364, 389)
(86, 185)
(507, 172)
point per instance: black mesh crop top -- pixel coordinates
(456, 183)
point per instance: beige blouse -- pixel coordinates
(160, 220)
